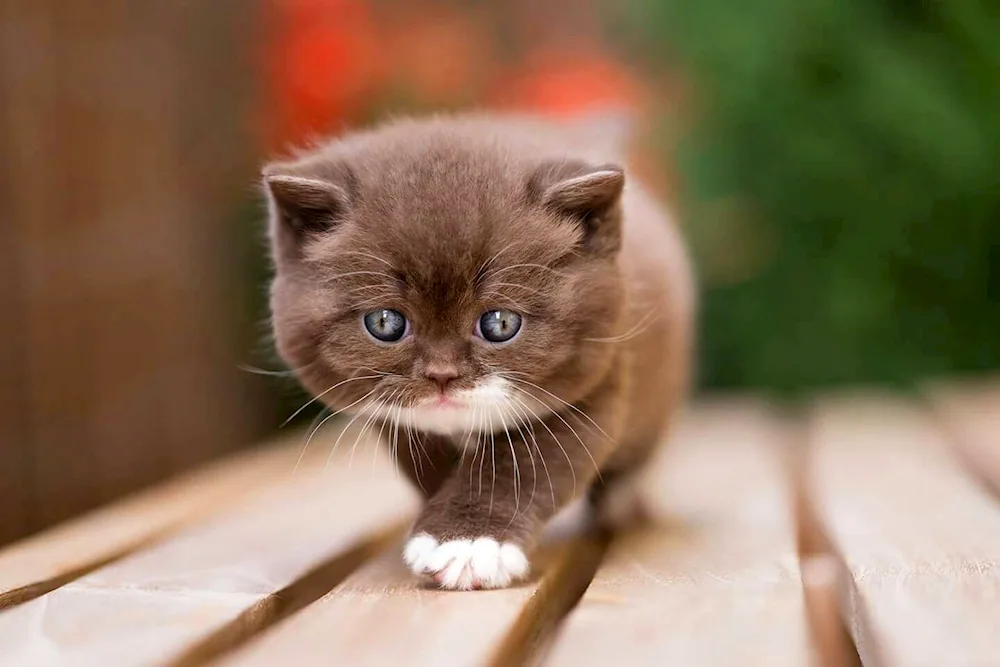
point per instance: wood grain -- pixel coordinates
(382, 615)
(154, 605)
(920, 538)
(38, 564)
(718, 583)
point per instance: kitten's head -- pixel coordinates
(442, 279)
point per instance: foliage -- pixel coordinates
(843, 182)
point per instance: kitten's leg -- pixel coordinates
(427, 460)
(476, 531)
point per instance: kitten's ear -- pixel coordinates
(588, 194)
(301, 206)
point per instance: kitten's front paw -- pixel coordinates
(466, 564)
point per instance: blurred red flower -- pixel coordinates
(567, 83)
(325, 62)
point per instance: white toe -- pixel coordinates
(485, 557)
(417, 550)
(465, 564)
(513, 560)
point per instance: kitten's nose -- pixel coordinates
(442, 374)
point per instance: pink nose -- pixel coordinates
(442, 375)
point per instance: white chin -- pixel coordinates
(450, 421)
(489, 407)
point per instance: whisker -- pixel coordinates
(339, 276)
(325, 420)
(511, 303)
(324, 393)
(493, 461)
(479, 432)
(572, 468)
(518, 286)
(534, 472)
(263, 371)
(385, 289)
(314, 424)
(568, 405)
(394, 449)
(528, 265)
(481, 273)
(645, 323)
(517, 473)
(345, 429)
(384, 420)
(372, 302)
(364, 427)
(580, 440)
(370, 256)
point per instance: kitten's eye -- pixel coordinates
(498, 326)
(386, 325)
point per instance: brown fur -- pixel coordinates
(444, 218)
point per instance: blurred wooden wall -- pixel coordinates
(124, 152)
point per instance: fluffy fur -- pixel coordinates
(443, 219)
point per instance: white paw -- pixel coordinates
(473, 563)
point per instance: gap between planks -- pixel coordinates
(42, 563)
(718, 581)
(381, 615)
(914, 533)
(282, 604)
(194, 595)
(824, 576)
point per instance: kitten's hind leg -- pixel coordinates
(617, 498)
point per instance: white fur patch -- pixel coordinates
(466, 564)
(492, 406)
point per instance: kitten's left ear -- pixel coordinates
(589, 194)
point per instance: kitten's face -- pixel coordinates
(445, 291)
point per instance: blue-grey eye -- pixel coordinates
(498, 326)
(386, 325)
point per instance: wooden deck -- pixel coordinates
(866, 526)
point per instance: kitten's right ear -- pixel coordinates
(301, 206)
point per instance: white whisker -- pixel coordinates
(324, 393)
(568, 405)
(645, 323)
(538, 420)
(517, 473)
(534, 472)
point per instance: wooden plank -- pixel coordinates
(920, 538)
(719, 583)
(383, 615)
(40, 563)
(155, 605)
(971, 413)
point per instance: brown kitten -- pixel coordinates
(491, 291)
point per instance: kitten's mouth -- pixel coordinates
(445, 401)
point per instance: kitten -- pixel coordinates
(490, 291)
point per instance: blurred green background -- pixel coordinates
(843, 186)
